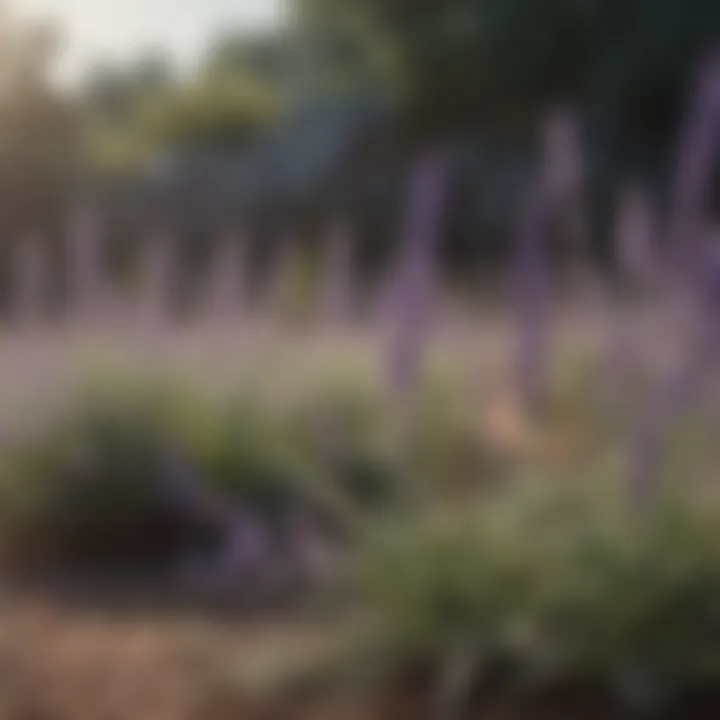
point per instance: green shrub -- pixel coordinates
(348, 425)
(88, 485)
(558, 586)
(448, 450)
(85, 489)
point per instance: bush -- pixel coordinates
(86, 489)
(91, 485)
(554, 587)
(96, 487)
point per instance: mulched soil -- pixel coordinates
(63, 660)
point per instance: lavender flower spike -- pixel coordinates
(681, 390)
(532, 283)
(28, 281)
(85, 280)
(156, 278)
(336, 302)
(697, 152)
(225, 282)
(413, 290)
(636, 237)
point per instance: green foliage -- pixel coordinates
(556, 586)
(85, 488)
(208, 114)
(447, 448)
(204, 114)
(88, 485)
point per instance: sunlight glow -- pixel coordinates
(102, 29)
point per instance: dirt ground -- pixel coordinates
(59, 662)
(77, 663)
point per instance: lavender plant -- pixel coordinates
(636, 237)
(279, 285)
(554, 193)
(532, 286)
(86, 284)
(156, 278)
(636, 253)
(29, 274)
(225, 291)
(562, 157)
(415, 271)
(697, 154)
(695, 265)
(336, 295)
(681, 390)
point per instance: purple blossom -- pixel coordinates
(280, 278)
(680, 391)
(415, 273)
(226, 282)
(553, 192)
(86, 284)
(247, 550)
(314, 554)
(562, 156)
(531, 292)
(336, 302)
(28, 280)
(697, 153)
(636, 237)
(157, 272)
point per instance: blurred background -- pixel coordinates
(358, 359)
(291, 112)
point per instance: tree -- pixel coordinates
(39, 132)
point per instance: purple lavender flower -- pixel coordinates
(697, 152)
(553, 191)
(85, 281)
(336, 303)
(281, 276)
(681, 390)
(532, 285)
(247, 551)
(635, 236)
(156, 278)
(314, 554)
(413, 290)
(225, 283)
(562, 158)
(28, 280)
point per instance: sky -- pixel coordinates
(121, 29)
